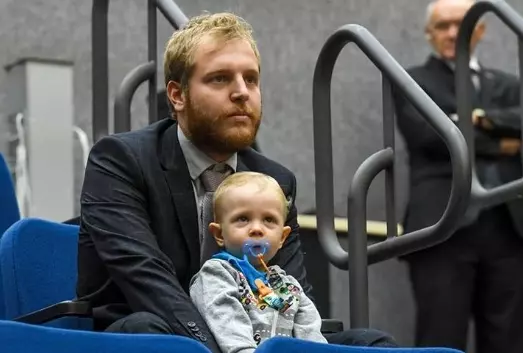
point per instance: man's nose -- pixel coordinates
(453, 31)
(240, 92)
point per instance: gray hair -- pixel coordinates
(430, 11)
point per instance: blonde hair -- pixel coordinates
(236, 180)
(179, 52)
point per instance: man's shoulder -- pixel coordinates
(257, 162)
(499, 74)
(146, 134)
(139, 142)
(417, 71)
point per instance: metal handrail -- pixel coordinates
(100, 69)
(124, 96)
(480, 197)
(393, 74)
(100, 62)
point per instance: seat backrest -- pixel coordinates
(14, 337)
(38, 262)
(9, 212)
(292, 345)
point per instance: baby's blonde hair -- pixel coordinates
(179, 52)
(239, 179)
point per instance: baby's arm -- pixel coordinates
(307, 322)
(214, 292)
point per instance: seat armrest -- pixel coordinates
(56, 311)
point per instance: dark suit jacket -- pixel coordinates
(138, 246)
(430, 169)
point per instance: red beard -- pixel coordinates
(221, 133)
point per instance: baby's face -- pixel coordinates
(248, 212)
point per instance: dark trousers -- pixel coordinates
(152, 324)
(476, 274)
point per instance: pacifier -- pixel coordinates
(256, 249)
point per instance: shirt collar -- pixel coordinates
(473, 64)
(197, 161)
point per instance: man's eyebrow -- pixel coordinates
(253, 71)
(217, 71)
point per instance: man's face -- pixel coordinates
(221, 110)
(443, 27)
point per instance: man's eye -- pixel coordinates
(218, 79)
(251, 80)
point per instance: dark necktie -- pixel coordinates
(211, 178)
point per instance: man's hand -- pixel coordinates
(509, 146)
(479, 119)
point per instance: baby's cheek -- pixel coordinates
(271, 253)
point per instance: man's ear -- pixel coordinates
(285, 233)
(176, 96)
(428, 35)
(216, 231)
(479, 31)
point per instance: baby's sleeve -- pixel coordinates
(214, 292)
(307, 322)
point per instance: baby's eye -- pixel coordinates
(242, 219)
(270, 219)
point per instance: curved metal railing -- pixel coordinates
(480, 197)
(142, 73)
(359, 255)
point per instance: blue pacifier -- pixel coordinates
(255, 248)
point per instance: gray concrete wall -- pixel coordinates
(290, 34)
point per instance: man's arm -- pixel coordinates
(114, 213)
(290, 256)
(419, 135)
(215, 293)
(505, 121)
(416, 130)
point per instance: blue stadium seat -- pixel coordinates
(23, 338)
(38, 262)
(9, 212)
(292, 345)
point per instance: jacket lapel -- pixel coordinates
(446, 75)
(486, 84)
(240, 166)
(179, 181)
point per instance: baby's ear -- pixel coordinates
(216, 231)
(285, 233)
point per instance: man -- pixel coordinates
(142, 235)
(477, 271)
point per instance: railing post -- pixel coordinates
(100, 69)
(151, 56)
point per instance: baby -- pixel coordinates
(242, 300)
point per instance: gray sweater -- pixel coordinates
(238, 321)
